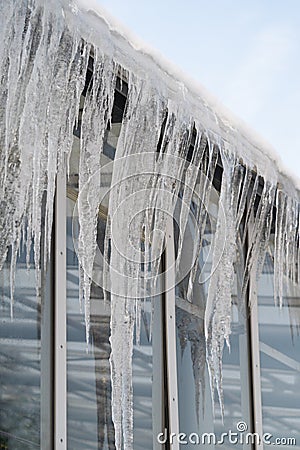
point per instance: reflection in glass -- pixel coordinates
(25, 360)
(279, 356)
(88, 372)
(196, 413)
(89, 418)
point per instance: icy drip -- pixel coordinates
(191, 329)
(135, 137)
(218, 307)
(259, 222)
(95, 118)
(189, 181)
(286, 253)
(143, 193)
(203, 191)
(40, 64)
(13, 90)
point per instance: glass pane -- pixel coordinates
(196, 413)
(89, 406)
(146, 369)
(25, 359)
(88, 372)
(279, 357)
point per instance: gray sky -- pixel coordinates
(246, 53)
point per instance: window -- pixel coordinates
(279, 344)
(197, 413)
(26, 368)
(89, 415)
(56, 389)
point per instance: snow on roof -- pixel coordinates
(135, 55)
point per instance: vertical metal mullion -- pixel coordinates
(246, 357)
(60, 372)
(257, 404)
(47, 362)
(171, 336)
(158, 373)
(246, 381)
(255, 356)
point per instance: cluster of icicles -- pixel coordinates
(43, 61)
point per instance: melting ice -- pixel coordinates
(44, 52)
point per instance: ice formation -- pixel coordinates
(44, 55)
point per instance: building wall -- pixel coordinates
(56, 388)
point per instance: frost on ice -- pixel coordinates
(45, 51)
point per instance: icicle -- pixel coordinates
(286, 243)
(41, 87)
(95, 117)
(121, 339)
(189, 184)
(279, 246)
(132, 175)
(134, 194)
(218, 307)
(250, 205)
(259, 231)
(191, 329)
(203, 195)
